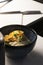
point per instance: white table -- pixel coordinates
(36, 56)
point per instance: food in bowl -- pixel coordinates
(16, 38)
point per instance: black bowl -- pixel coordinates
(19, 51)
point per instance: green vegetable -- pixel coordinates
(20, 38)
(15, 35)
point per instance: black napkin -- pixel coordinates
(37, 25)
(40, 1)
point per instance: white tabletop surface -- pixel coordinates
(36, 56)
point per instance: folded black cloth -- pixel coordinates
(40, 1)
(37, 25)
